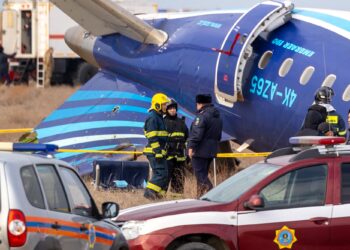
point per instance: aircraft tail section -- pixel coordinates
(103, 17)
(107, 113)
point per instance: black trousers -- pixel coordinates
(201, 169)
(176, 175)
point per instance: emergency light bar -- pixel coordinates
(316, 140)
(27, 147)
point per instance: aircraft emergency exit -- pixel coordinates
(263, 67)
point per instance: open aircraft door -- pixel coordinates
(9, 34)
(236, 48)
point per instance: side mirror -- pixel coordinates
(254, 203)
(110, 210)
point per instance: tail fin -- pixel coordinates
(107, 113)
(103, 17)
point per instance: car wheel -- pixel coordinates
(195, 246)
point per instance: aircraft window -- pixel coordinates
(285, 67)
(346, 94)
(306, 76)
(265, 59)
(329, 80)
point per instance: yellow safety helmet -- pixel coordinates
(157, 101)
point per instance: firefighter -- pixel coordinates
(334, 124)
(204, 137)
(175, 147)
(157, 137)
(322, 118)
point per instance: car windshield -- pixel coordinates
(241, 182)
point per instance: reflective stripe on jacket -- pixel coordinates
(156, 134)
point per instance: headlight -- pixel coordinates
(132, 229)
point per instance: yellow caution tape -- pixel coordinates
(242, 155)
(221, 155)
(16, 130)
(65, 150)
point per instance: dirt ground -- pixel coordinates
(25, 106)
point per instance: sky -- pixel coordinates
(239, 4)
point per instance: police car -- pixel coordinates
(45, 205)
(297, 198)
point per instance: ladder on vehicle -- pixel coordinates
(42, 41)
(236, 48)
(40, 72)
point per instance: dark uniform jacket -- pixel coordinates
(177, 136)
(156, 134)
(3, 63)
(316, 115)
(205, 133)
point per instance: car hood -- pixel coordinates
(160, 209)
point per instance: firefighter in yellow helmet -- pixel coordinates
(157, 135)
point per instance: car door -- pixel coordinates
(59, 219)
(295, 215)
(33, 206)
(340, 222)
(96, 234)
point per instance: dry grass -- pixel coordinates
(129, 198)
(26, 106)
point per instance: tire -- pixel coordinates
(195, 246)
(84, 73)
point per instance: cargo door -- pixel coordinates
(9, 32)
(236, 48)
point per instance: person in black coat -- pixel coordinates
(4, 66)
(205, 135)
(175, 147)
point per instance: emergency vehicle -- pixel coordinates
(45, 205)
(30, 28)
(297, 198)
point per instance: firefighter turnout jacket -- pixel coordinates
(177, 136)
(337, 123)
(156, 135)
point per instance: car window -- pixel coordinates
(235, 186)
(53, 189)
(32, 187)
(82, 204)
(345, 183)
(298, 188)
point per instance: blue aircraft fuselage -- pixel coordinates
(278, 59)
(274, 105)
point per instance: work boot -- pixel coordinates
(151, 195)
